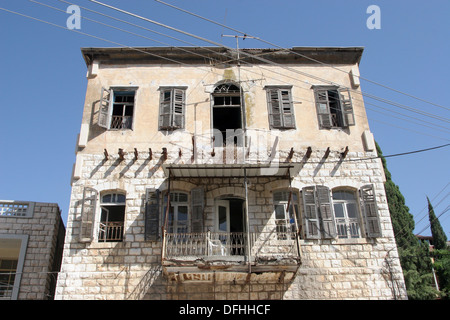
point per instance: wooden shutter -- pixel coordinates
(88, 206)
(287, 109)
(104, 116)
(152, 214)
(165, 108)
(310, 217)
(274, 106)
(178, 98)
(370, 211)
(197, 206)
(346, 107)
(326, 212)
(323, 108)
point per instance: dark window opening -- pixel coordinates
(227, 117)
(122, 111)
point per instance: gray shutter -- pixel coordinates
(197, 206)
(104, 115)
(274, 106)
(287, 109)
(88, 206)
(370, 211)
(152, 214)
(165, 110)
(310, 217)
(326, 212)
(346, 107)
(323, 108)
(178, 97)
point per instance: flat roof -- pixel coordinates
(222, 55)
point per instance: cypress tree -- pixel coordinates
(414, 256)
(439, 237)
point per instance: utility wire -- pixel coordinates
(266, 60)
(210, 70)
(297, 53)
(180, 48)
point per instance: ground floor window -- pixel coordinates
(112, 217)
(346, 214)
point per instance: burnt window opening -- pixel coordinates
(227, 115)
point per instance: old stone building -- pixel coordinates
(31, 244)
(207, 173)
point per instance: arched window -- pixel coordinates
(227, 114)
(346, 213)
(112, 218)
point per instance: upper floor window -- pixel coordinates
(280, 107)
(117, 108)
(172, 107)
(227, 115)
(334, 107)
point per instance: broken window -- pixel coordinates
(227, 115)
(172, 108)
(280, 108)
(112, 217)
(285, 204)
(334, 107)
(117, 108)
(178, 219)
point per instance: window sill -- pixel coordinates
(336, 241)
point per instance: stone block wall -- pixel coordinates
(44, 229)
(360, 268)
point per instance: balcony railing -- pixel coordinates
(121, 122)
(110, 232)
(232, 246)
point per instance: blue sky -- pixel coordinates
(43, 79)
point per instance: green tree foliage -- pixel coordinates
(439, 237)
(442, 267)
(414, 256)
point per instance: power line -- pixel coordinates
(183, 48)
(267, 61)
(297, 53)
(172, 60)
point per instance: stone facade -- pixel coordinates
(364, 266)
(31, 233)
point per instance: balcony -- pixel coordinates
(273, 251)
(110, 231)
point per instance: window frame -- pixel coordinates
(343, 117)
(347, 221)
(283, 105)
(117, 229)
(108, 103)
(286, 225)
(175, 204)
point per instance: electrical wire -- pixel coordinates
(208, 57)
(297, 53)
(161, 56)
